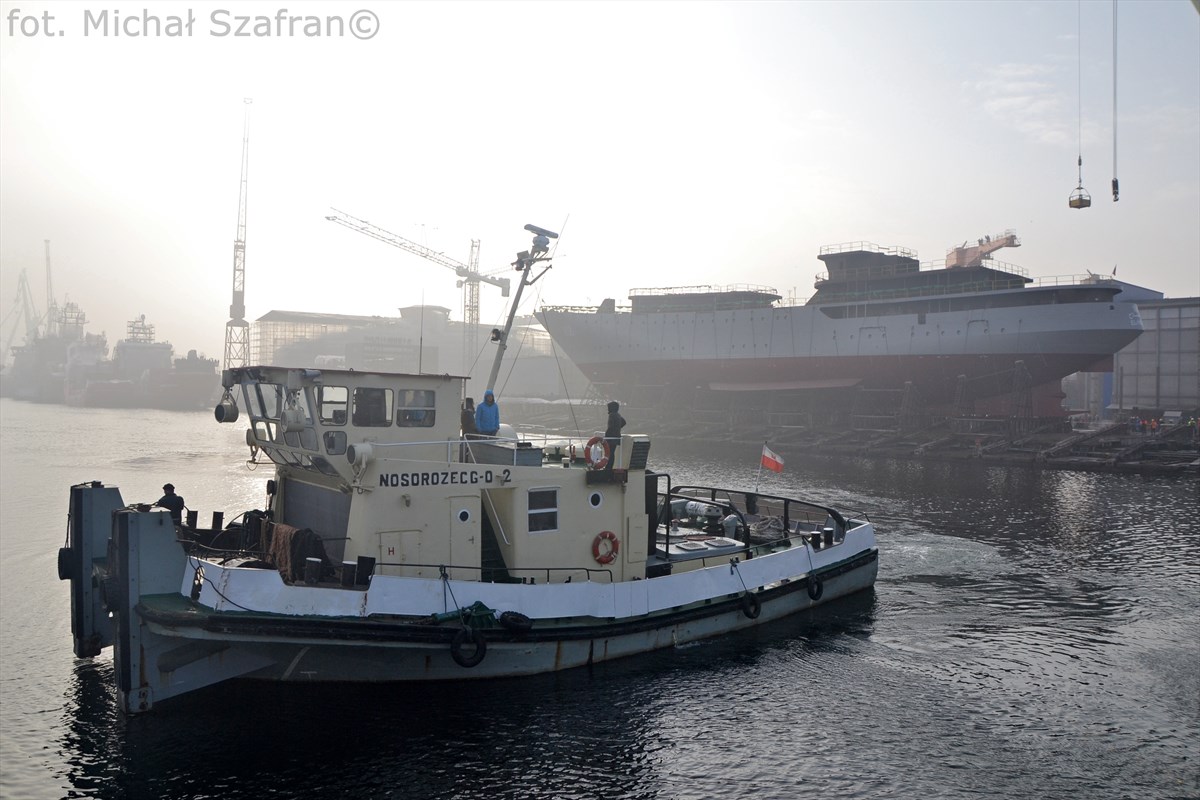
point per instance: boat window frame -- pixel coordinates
(368, 417)
(540, 511)
(416, 408)
(262, 408)
(338, 409)
(335, 442)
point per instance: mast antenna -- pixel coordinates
(524, 264)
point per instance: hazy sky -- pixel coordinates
(673, 143)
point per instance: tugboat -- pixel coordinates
(393, 549)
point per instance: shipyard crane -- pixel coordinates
(974, 255)
(51, 306)
(237, 329)
(22, 307)
(468, 274)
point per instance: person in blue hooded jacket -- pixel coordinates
(487, 415)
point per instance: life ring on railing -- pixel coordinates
(815, 588)
(596, 453)
(475, 637)
(608, 554)
(751, 606)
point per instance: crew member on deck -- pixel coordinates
(615, 423)
(172, 502)
(467, 421)
(487, 415)
(612, 432)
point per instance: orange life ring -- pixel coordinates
(596, 453)
(610, 554)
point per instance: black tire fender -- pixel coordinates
(751, 606)
(516, 622)
(66, 567)
(815, 588)
(475, 637)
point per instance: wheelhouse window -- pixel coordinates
(372, 408)
(331, 404)
(264, 400)
(415, 408)
(543, 510)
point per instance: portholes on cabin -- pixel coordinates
(595, 499)
(464, 515)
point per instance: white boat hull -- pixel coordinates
(173, 635)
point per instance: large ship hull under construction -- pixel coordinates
(948, 336)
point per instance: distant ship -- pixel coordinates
(38, 370)
(877, 321)
(142, 373)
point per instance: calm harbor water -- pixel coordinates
(1032, 634)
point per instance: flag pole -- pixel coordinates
(759, 475)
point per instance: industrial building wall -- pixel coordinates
(416, 342)
(267, 337)
(1160, 370)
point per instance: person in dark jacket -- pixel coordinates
(487, 415)
(467, 421)
(615, 421)
(172, 502)
(468, 418)
(612, 432)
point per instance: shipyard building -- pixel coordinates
(1158, 373)
(422, 339)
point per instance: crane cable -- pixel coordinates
(1079, 79)
(1115, 185)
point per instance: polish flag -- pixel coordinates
(771, 461)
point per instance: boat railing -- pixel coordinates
(866, 247)
(701, 289)
(477, 449)
(759, 519)
(527, 449)
(975, 287)
(584, 309)
(1073, 280)
(531, 577)
(889, 270)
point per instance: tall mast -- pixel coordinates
(237, 329)
(524, 264)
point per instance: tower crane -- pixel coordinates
(237, 329)
(469, 276)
